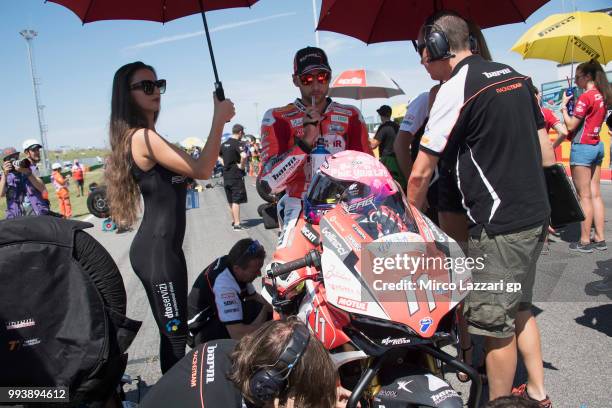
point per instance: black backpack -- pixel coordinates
(62, 310)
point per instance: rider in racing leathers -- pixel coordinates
(289, 134)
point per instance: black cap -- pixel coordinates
(310, 59)
(385, 111)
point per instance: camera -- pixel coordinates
(25, 163)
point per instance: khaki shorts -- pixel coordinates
(509, 260)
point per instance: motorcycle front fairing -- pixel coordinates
(355, 241)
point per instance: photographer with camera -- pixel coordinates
(21, 186)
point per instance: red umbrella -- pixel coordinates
(153, 10)
(373, 21)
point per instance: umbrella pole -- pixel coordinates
(218, 87)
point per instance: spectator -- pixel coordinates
(246, 145)
(12, 183)
(78, 175)
(37, 197)
(229, 374)
(61, 190)
(551, 120)
(384, 140)
(255, 149)
(143, 162)
(223, 303)
(233, 155)
(588, 151)
(485, 113)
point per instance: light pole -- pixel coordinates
(29, 35)
(314, 16)
(256, 114)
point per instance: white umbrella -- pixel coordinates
(364, 84)
(192, 142)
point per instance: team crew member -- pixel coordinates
(234, 158)
(406, 145)
(78, 176)
(223, 303)
(143, 162)
(384, 139)
(485, 112)
(280, 364)
(61, 190)
(588, 151)
(550, 119)
(289, 133)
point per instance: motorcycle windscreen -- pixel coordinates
(376, 264)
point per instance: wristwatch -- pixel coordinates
(303, 145)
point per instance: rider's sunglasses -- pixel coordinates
(148, 86)
(322, 77)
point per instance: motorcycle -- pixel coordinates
(387, 344)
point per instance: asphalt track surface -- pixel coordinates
(575, 321)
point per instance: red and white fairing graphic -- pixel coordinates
(351, 286)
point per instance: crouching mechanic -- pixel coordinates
(290, 133)
(223, 303)
(277, 365)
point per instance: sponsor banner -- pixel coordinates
(339, 119)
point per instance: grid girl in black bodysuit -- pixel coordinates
(142, 161)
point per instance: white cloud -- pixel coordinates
(333, 44)
(223, 27)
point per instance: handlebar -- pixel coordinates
(312, 258)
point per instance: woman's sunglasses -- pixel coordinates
(323, 78)
(148, 86)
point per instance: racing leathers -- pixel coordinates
(285, 157)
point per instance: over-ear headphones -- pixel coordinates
(269, 381)
(473, 44)
(437, 44)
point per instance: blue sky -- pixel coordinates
(254, 50)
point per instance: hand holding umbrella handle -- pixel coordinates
(219, 91)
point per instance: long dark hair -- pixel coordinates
(122, 191)
(594, 69)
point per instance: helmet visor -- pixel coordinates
(325, 189)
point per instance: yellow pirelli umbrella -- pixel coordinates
(570, 37)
